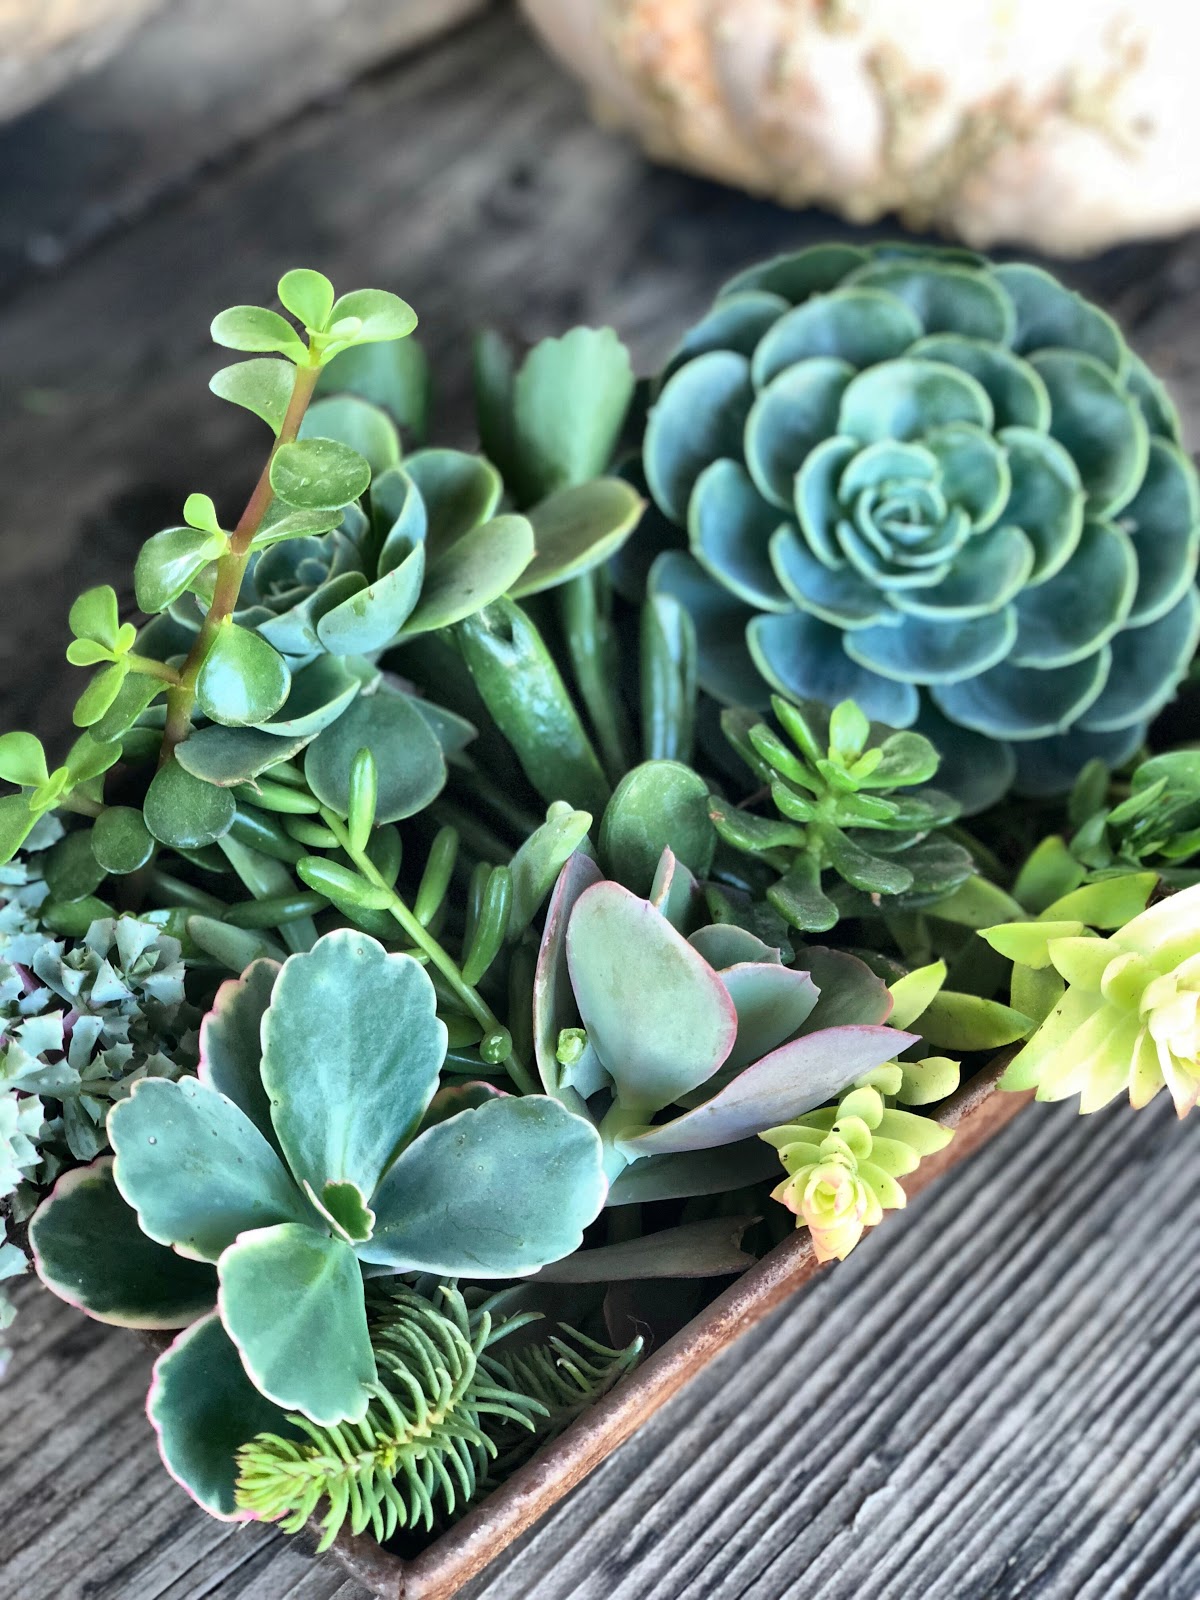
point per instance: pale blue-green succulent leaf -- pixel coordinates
(1099, 424)
(1051, 315)
(793, 414)
(231, 1050)
(1072, 614)
(411, 770)
(554, 1005)
(730, 527)
(1163, 519)
(699, 416)
(736, 322)
(803, 657)
(861, 326)
(291, 1300)
(776, 1089)
(196, 1169)
(352, 1049)
(1018, 395)
(354, 422)
(634, 978)
(726, 670)
(947, 298)
(1011, 702)
(1147, 663)
(494, 1192)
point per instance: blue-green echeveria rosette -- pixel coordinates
(945, 489)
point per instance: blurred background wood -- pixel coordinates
(997, 1396)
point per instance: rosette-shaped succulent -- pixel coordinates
(843, 1163)
(1129, 1019)
(944, 489)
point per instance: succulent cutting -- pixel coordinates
(472, 876)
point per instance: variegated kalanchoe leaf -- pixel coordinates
(943, 488)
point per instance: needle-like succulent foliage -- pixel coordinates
(941, 487)
(1128, 1017)
(837, 793)
(843, 1163)
(444, 1409)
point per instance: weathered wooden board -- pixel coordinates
(997, 1396)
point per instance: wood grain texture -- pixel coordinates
(997, 1396)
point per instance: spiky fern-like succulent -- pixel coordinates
(431, 1429)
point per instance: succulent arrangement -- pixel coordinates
(487, 890)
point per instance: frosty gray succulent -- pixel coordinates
(943, 488)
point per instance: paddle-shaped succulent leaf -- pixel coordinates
(940, 487)
(1128, 1019)
(711, 1024)
(296, 1155)
(843, 1163)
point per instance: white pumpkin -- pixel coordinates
(1065, 124)
(43, 43)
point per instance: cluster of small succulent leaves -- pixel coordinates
(454, 806)
(943, 488)
(837, 788)
(1156, 823)
(843, 1163)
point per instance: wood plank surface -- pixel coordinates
(997, 1396)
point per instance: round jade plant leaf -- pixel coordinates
(659, 805)
(71, 869)
(231, 1043)
(88, 1248)
(408, 758)
(169, 561)
(356, 423)
(495, 1192)
(121, 841)
(316, 474)
(196, 1169)
(204, 1408)
(229, 756)
(292, 1301)
(657, 1015)
(243, 680)
(352, 1049)
(184, 811)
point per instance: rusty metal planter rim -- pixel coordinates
(977, 1112)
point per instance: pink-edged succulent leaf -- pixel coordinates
(849, 990)
(495, 1192)
(708, 1249)
(292, 1301)
(553, 1001)
(724, 944)
(658, 1016)
(782, 1086)
(196, 1169)
(456, 1097)
(203, 1409)
(352, 1049)
(772, 1004)
(88, 1249)
(231, 1043)
(693, 1172)
(675, 892)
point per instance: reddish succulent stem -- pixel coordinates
(231, 569)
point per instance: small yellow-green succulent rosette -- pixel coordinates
(1128, 1020)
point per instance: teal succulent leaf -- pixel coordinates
(634, 979)
(196, 1169)
(553, 999)
(88, 1248)
(231, 1043)
(496, 1191)
(317, 1358)
(349, 1025)
(943, 488)
(409, 762)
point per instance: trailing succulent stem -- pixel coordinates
(231, 567)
